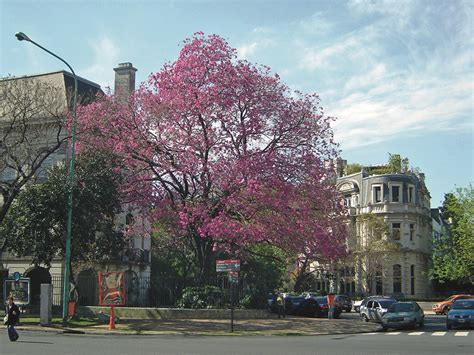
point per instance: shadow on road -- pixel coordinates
(34, 342)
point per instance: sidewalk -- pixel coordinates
(262, 327)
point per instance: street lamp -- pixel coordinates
(22, 37)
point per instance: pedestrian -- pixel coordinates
(330, 298)
(280, 301)
(12, 316)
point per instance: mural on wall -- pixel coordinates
(111, 289)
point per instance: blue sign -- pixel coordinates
(16, 276)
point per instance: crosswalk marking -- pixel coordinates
(415, 333)
(433, 334)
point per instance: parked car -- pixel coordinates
(323, 303)
(343, 303)
(443, 307)
(357, 306)
(309, 307)
(461, 314)
(403, 315)
(375, 308)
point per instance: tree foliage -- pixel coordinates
(453, 252)
(36, 223)
(224, 153)
(370, 246)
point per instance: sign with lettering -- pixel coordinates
(227, 265)
(111, 289)
(234, 276)
(18, 289)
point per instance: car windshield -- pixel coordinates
(322, 300)
(400, 307)
(449, 299)
(463, 305)
(386, 303)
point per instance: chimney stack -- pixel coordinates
(124, 80)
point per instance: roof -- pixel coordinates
(66, 73)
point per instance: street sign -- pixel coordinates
(19, 290)
(227, 265)
(16, 276)
(234, 276)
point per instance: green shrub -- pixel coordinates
(201, 297)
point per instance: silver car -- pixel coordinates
(403, 315)
(375, 308)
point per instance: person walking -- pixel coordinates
(280, 301)
(12, 317)
(330, 298)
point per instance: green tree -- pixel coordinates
(370, 246)
(35, 225)
(453, 252)
(353, 168)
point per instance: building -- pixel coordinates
(402, 202)
(48, 118)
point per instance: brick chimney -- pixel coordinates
(124, 80)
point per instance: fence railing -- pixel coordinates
(151, 291)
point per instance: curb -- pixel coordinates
(265, 333)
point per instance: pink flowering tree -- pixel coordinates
(222, 155)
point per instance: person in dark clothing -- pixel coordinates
(280, 301)
(13, 313)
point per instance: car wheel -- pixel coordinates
(364, 318)
(446, 309)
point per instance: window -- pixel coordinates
(396, 231)
(411, 194)
(395, 193)
(412, 279)
(377, 193)
(378, 282)
(347, 201)
(412, 231)
(397, 278)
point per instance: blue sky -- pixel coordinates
(397, 74)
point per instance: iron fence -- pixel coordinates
(160, 291)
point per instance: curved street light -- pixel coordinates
(23, 37)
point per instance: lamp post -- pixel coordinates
(22, 37)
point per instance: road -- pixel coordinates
(433, 339)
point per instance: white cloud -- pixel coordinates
(390, 77)
(106, 57)
(413, 104)
(246, 50)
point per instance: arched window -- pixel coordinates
(397, 278)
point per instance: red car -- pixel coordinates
(444, 306)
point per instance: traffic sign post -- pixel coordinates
(232, 267)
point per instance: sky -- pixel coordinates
(397, 75)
